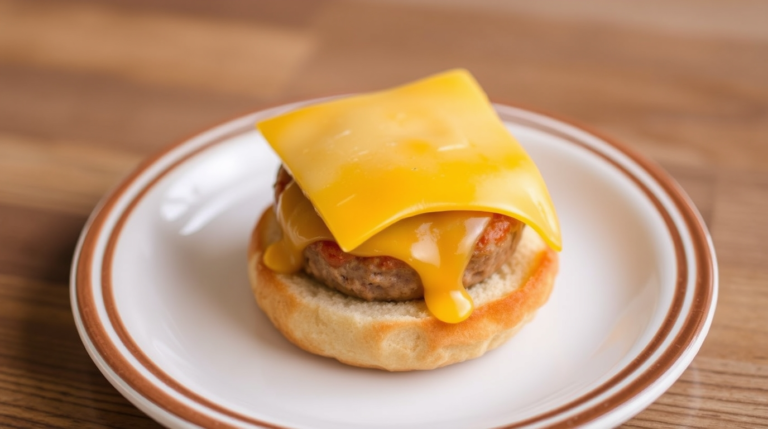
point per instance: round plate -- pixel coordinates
(161, 298)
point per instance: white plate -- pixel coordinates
(161, 298)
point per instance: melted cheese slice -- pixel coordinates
(436, 145)
(437, 245)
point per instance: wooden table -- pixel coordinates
(89, 88)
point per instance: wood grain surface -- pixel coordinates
(89, 88)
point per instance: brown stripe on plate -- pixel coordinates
(87, 306)
(693, 325)
(90, 318)
(661, 334)
(699, 307)
(111, 307)
(89, 314)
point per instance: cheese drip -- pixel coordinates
(437, 245)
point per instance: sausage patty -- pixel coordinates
(383, 278)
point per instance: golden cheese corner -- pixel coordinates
(426, 159)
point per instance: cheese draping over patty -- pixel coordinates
(368, 161)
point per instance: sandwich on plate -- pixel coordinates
(410, 230)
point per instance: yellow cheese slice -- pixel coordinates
(368, 161)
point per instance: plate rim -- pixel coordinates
(671, 363)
